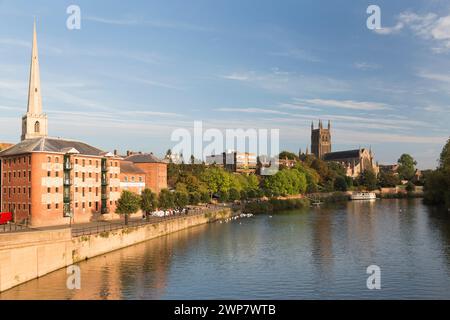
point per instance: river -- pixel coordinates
(317, 253)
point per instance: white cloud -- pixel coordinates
(348, 104)
(366, 66)
(427, 26)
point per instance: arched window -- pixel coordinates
(37, 127)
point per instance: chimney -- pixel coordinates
(115, 152)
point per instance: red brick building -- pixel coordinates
(155, 170)
(52, 181)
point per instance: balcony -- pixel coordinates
(105, 196)
(105, 210)
(67, 181)
(104, 182)
(67, 165)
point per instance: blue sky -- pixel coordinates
(138, 70)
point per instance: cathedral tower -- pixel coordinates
(34, 122)
(320, 140)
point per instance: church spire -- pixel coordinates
(34, 122)
(34, 90)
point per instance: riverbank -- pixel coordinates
(28, 255)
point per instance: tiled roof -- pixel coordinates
(129, 167)
(143, 158)
(51, 145)
(349, 154)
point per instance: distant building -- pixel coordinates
(132, 178)
(239, 162)
(320, 140)
(154, 168)
(354, 161)
(389, 168)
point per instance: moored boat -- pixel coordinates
(363, 196)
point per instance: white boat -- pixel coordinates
(363, 196)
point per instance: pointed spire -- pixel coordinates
(320, 124)
(34, 122)
(34, 91)
(329, 124)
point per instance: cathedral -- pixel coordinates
(354, 161)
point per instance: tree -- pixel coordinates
(181, 199)
(368, 179)
(195, 198)
(149, 201)
(444, 161)
(234, 194)
(410, 187)
(340, 184)
(166, 199)
(127, 204)
(388, 179)
(216, 179)
(437, 182)
(407, 167)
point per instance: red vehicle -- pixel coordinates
(5, 217)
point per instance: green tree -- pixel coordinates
(149, 201)
(407, 166)
(166, 199)
(444, 160)
(216, 180)
(368, 179)
(234, 194)
(181, 199)
(127, 204)
(195, 198)
(437, 182)
(340, 184)
(388, 179)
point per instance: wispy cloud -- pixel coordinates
(348, 104)
(252, 110)
(429, 26)
(366, 66)
(288, 82)
(148, 23)
(294, 53)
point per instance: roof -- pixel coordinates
(129, 167)
(143, 158)
(348, 154)
(45, 144)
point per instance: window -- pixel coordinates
(57, 159)
(56, 190)
(48, 190)
(49, 159)
(83, 177)
(84, 205)
(83, 163)
(56, 174)
(37, 126)
(49, 206)
(56, 205)
(48, 173)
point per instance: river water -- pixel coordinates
(317, 253)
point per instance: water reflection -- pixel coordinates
(315, 253)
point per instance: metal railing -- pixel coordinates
(12, 227)
(78, 232)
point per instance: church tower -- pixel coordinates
(320, 140)
(34, 122)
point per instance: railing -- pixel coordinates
(12, 227)
(77, 232)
